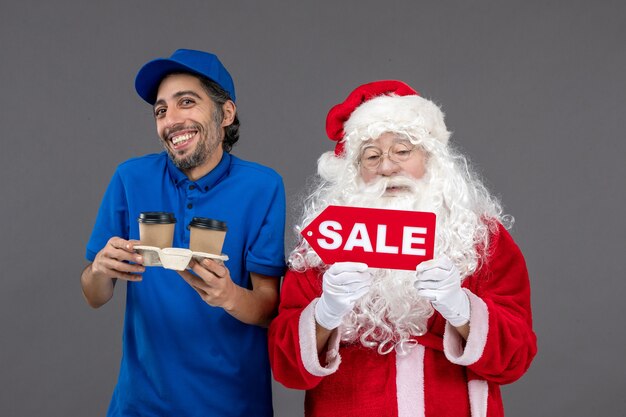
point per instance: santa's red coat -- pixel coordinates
(442, 376)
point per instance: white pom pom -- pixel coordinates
(329, 166)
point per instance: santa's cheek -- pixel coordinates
(367, 176)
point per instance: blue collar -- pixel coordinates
(205, 183)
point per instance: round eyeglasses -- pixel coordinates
(372, 157)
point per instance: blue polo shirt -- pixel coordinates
(182, 357)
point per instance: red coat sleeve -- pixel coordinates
(298, 291)
(503, 286)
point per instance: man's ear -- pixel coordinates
(229, 110)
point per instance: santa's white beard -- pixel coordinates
(413, 194)
(391, 312)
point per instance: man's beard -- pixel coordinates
(209, 140)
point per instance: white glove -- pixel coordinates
(343, 284)
(439, 281)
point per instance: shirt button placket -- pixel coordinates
(192, 190)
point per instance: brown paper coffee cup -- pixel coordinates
(156, 228)
(207, 235)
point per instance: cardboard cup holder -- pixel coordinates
(173, 258)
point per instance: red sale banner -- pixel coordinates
(381, 238)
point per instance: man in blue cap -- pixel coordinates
(195, 346)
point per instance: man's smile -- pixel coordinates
(181, 139)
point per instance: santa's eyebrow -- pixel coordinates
(396, 141)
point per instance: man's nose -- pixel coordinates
(172, 117)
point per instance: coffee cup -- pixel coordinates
(207, 235)
(156, 228)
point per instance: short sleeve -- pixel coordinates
(266, 254)
(112, 219)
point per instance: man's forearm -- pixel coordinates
(257, 306)
(97, 290)
(253, 307)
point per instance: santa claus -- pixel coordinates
(437, 341)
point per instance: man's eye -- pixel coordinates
(404, 152)
(159, 112)
(372, 157)
(186, 101)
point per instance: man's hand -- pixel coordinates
(344, 283)
(439, 281)
(212, 282)
(113, 261)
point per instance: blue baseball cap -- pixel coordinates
(151, 74)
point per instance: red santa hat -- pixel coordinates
(391, 106)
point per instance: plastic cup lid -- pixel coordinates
(156, 217)
(212, 224)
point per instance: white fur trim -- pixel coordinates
(478, 393)
(394, 113)
(477, 338)
(308, 345)
(410, 383)
(328, 165)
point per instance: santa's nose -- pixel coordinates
(387, 167)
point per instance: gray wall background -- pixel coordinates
(534, 92)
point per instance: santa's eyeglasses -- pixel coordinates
(372, 157)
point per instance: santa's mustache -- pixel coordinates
(378, 187)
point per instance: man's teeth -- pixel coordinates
(182, 138)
